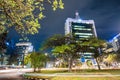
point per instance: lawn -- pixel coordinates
(86, 73)
(86, 78)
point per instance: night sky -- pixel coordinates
(105, 13)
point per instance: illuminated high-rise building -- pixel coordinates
(79, 28)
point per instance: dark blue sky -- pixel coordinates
(105, 13)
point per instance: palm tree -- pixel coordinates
(36, 59)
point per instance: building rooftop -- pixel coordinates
(23, 44)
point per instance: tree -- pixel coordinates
(118, 57)
(66, 52)
(24, 15)
(37, 60)
(27, 59)
(95, 45)
(51, 42)
(3, 38)
(63, 47)
(13, 59)
(111, 58)
(69, 48)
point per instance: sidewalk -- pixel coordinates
(73, 75)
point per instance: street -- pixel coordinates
(13, 74)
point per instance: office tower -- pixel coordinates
(79, 28)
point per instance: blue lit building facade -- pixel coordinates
(116, 42)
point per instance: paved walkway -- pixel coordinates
(75, 75)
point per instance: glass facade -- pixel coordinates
(82, 30)
(116, 42)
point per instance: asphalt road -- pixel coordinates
(12, 78)
(13, 74)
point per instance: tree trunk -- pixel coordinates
(23, 60)
(34, 69)
(98, 64)
(2, 59)
(69, 64)
(39, 69)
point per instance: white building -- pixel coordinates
(80, 28)
(116, 42)
(22, 49)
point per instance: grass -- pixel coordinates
(86, 78)
(75, 78)
(92, 71)
(89, 71)
(53, 71)
(110, 71)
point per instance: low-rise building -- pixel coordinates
(22, 49)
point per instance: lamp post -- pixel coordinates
(24, 52)
(23, 59)
(46, 54)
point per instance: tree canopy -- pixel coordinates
(36, 59)
(111, 58)
(3, 37)
(53, 41)
(24, 15)
(70, 49)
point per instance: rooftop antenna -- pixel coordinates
(77, 15)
